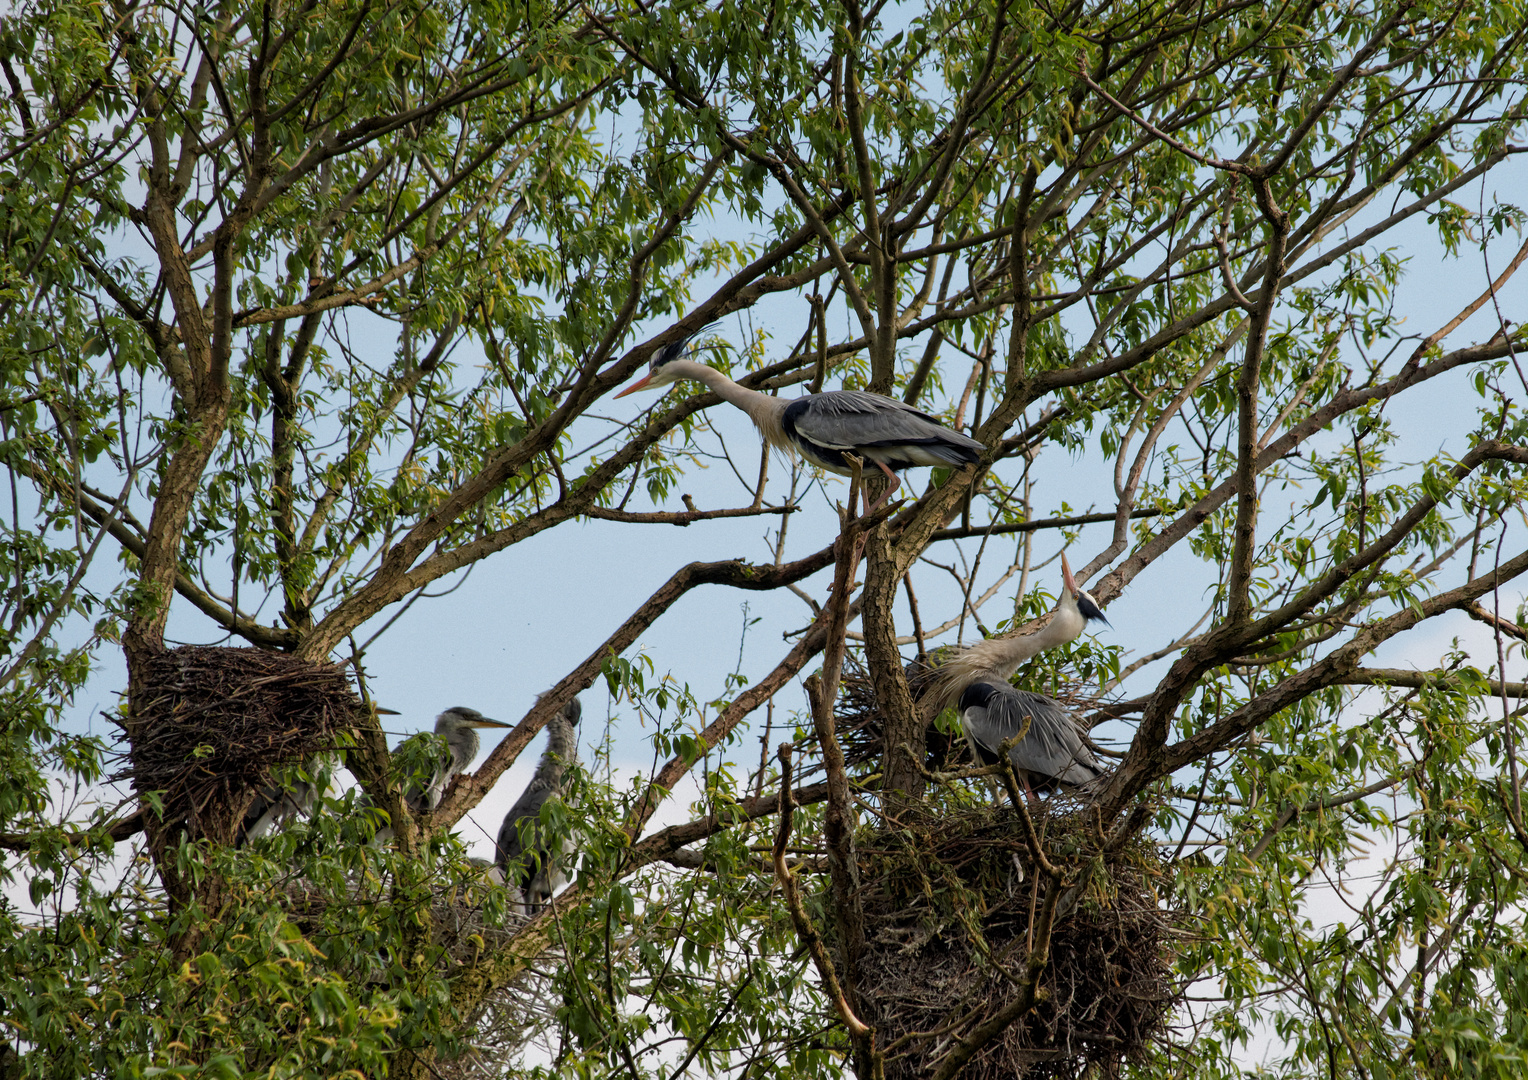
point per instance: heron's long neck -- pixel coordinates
(464, 748)
(561, 750)
(765, 410)
(1002, 656)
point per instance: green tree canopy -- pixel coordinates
(327, 300)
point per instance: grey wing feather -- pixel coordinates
(1052, 747)
(527, 808)
(849, 419)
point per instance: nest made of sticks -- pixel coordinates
(208, 724)
(945, 904)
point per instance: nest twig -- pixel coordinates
(949, 906)
(209, 724)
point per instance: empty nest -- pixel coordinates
(944, 903)
(208, 724)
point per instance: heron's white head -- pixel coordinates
(1086, 606)
(664, 367)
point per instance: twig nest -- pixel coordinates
(208, 725)
(951, 904)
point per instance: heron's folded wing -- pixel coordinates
(1051, 745)
(845, 419)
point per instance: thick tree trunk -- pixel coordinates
(901, 719)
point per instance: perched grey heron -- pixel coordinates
(524, 855)
(823, 428)
(1050, 749)
(457, 726)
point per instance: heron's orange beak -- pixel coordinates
(1067, 580)
(485, 722)
(638, 385)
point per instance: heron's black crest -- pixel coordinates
(1090, 609)
(670, 352)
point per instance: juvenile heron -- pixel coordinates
(277, 805)
(823, 428)
(457, 726)
(1050, 749)
(525, 856)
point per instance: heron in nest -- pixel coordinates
(277, 805)
(1049, 750)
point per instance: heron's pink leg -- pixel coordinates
(1029, 793)
(896, 482)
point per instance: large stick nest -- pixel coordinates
(950, 900)
(208, 725)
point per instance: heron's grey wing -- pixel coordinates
(430, 798)
(260, 818)
(856, 419)
(513, 835)
(420, 799)
(1052, 746)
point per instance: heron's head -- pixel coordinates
(1086, 605)
(569, 713)
(662, 369)
(459, 718)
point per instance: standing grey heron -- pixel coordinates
(825, 427)
(525, 856)
(1050, 749)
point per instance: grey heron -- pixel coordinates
(1050, 749)
(824, 428)
(457, 727)
(525, 856)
